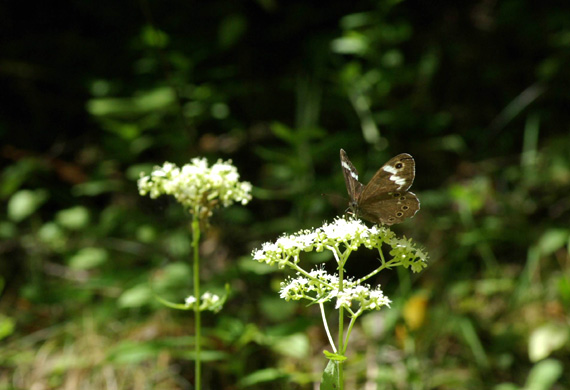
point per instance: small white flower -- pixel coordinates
(208, 301)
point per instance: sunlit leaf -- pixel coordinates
(261, 376)
(24, 203)
(74, 218)
(7, 326)
(88, 258)
(136, 296)
(295, 345)
(552, 240)
(544, 375)
(546, 339)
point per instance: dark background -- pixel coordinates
(93, 93)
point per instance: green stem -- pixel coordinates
(352, 322)
(383, 266)
(197, 319)
(371, 274)
(308, 275)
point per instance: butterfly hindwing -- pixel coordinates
(390, 208)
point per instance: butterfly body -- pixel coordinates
(385, 199)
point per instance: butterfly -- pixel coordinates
(385, 199)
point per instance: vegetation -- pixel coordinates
(96, 95)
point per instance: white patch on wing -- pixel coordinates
(398, 180)
(352, 173)
(395, 178)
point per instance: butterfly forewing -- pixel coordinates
(353, 186)
(385, 198)
(396, 175)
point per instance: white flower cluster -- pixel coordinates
(196, 186)
(208, 301)
(322, 287)
(351, 233)
(369, 299)
(320, 284)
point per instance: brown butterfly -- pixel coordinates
(385, 199)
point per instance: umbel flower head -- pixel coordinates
(341, 237)
(346, 234)
(321, 286)
(196, 186)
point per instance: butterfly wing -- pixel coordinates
(389, 208)
(396, 175)
(385, 199)
(353, 186)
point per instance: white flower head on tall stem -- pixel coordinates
(197, 186)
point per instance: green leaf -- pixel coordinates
(543, 375)
(261, 376)
(552, 240)
(153, 37)
(24, 203)
(136, 296)
(156, 99)
(96, 187)
(295, 345)
(331, 376)
(14, 176)
(74, 218)
(284, 133)
(131, 352)
(88, 258)
(355, 43)
(506, 386)
(231, 29)
(546, 339)
(7, 326)
(8, 230)
(52, 235)
(175, 275)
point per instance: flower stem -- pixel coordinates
(197, 319)
(309, 276)
(341, 347)
(352, 322)
(383, 266)
(326, 325)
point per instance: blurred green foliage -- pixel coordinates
(476, 91)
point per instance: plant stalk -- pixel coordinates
(197, 319)
(341, 322)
